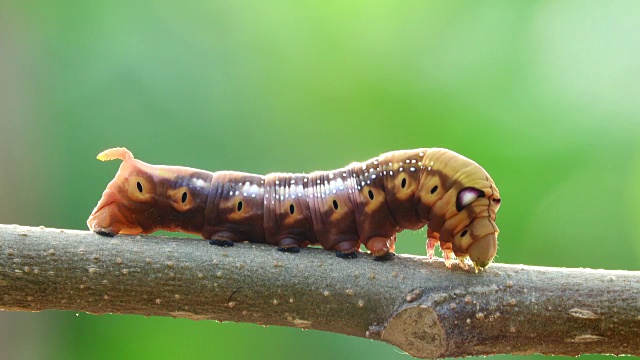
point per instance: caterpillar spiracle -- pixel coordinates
(363, 203)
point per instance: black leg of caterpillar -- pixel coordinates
(289, 249)
(351, 255)
(106, 233)
(385, 257)
(223, 243)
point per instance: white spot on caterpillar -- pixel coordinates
(412, 168)
(401, 169)
(293, 181)
(391, 172)
(244, 194)
(413, 161)
(330, 176)
(277, 182)
(198, 182)
(468, 196)
(429, 168)
(318, 181)
(305, 179)
(373, 176)
(421, 154)
(407, 161)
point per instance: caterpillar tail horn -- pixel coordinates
(115, 153)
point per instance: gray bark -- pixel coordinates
(419, 306)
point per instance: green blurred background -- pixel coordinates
(544, 95)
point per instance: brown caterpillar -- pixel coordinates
(363, 203)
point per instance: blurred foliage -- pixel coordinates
(545, 95)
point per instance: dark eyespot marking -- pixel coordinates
(139, 186)
(335, 204)
(292, 209)
(370, 194)
(184, 197)
(404, 183)
(239, 205)
(463, 233)
(496, 201)
(434, 189)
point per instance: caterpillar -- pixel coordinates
(364, 203)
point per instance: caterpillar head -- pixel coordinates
(479, 239)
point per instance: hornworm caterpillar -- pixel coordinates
(363, 203)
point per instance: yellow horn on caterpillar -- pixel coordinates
(115, 153)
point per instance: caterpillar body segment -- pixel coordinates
(363, 203)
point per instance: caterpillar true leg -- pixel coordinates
(462, 262)
(447, 253)
(433, 239)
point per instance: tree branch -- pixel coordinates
(422, 307)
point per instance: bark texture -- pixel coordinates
(421, 307)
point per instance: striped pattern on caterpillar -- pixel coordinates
(363, 203)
